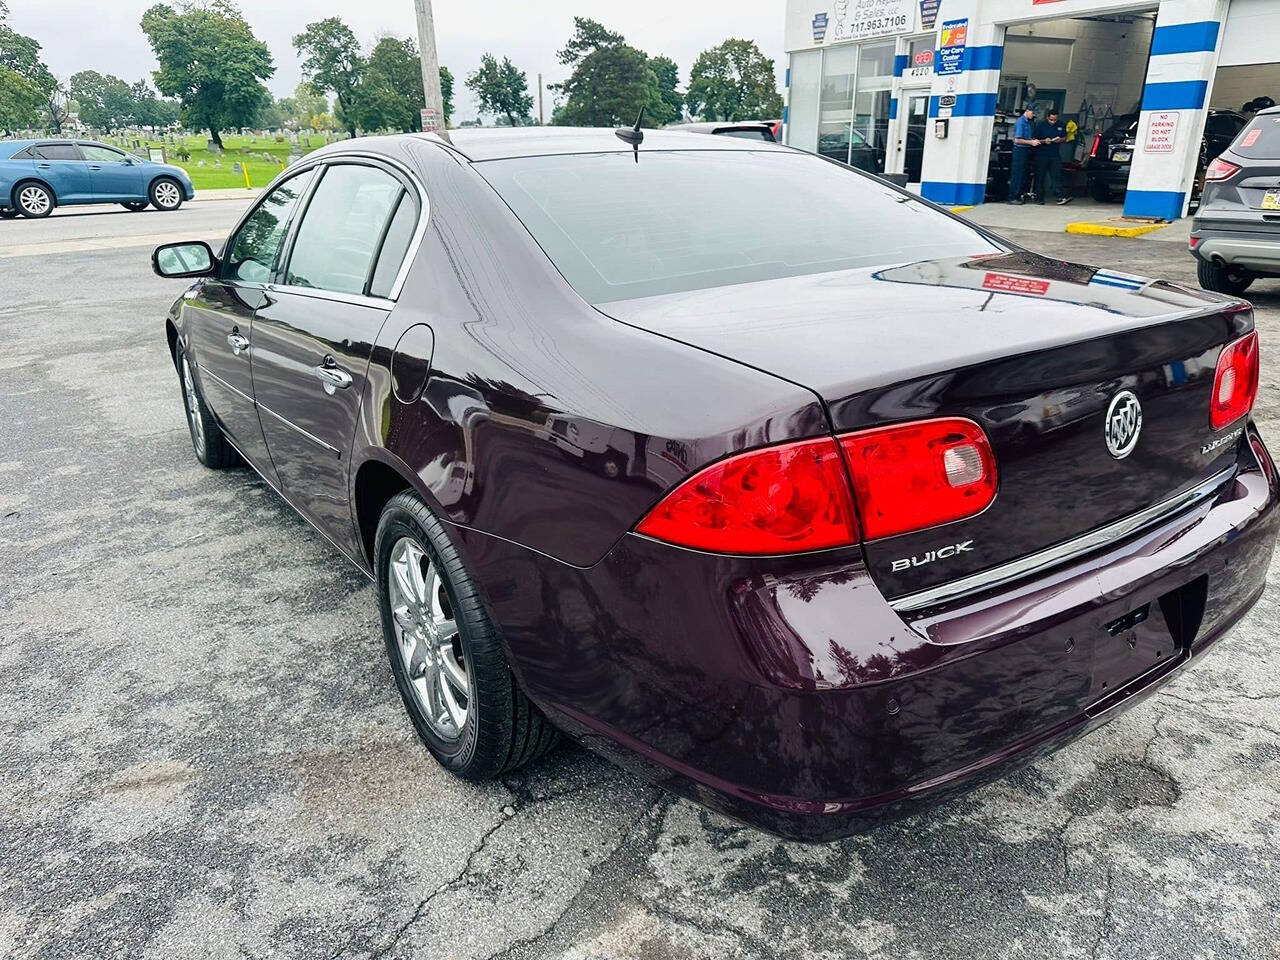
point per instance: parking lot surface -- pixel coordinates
(202, 752)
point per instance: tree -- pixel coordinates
(608, 88)
(733, 81)
(211, 61)
(57, 106)
(588, 37)
(446, 93)
(391, 92)
(106, 102)
(668, 77)
(25, 82)
(150, 110)
(332, 63)
(502, 89)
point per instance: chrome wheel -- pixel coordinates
(194, 420)
(167, 195)
(34, 201)
(427, 639)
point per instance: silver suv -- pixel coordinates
(1235, 235)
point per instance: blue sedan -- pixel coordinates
(38, 175)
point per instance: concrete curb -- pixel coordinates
(1113, 228)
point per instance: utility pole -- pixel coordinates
(541, 122)
(433, 113)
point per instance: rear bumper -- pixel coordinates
(1112, 174)
(791, 696)
(1251, 250)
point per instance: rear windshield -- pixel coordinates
(687, 220)
(1260, 140)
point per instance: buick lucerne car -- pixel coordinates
(38, 175)
(1235, 235)
(807, 522)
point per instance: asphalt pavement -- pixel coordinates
(202, 752)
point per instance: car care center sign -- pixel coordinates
(855, 19)
(1162, 132)
(951, 49)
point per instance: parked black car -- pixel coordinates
(1111, 153)
(1236, 232)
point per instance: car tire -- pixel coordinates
(1099, 191)
(33, 200)
(1221, 278)
(436, 626)
(209, 444)
(135, 205)
(165, 193)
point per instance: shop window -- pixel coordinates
(835, 106)
(802, 101)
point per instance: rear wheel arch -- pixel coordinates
(377, 480)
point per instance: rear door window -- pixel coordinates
(255, 249)
(57, 151)
(342, 228)
(395, 245)
(1260, 140)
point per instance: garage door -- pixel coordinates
(1252, 34)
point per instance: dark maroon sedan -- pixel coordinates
(795, 492)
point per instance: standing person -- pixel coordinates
(1023, 143)
(1052, 134)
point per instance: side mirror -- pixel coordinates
(191, 259)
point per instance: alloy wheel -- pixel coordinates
(427, 639)
(194, 420)
(167, 195)
(34, 200)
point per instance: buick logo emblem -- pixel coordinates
(1124, 423)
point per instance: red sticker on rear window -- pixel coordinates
(1251, 137)
(1008, 284)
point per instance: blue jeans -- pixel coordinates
(1018, 175)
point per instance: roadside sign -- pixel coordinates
(951, 50)
(1162, 132)
(928, 13)
(430, 120)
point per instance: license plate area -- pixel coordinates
(1271, 200)
(1121, 156)
(1146, 637)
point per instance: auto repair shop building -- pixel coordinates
(868, 82)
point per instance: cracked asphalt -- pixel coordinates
(202, 753)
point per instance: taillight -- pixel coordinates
(1194, 242)
(1235, 382)
(1220, 169)
(1097, 140)
(784, 499)
(916, 475)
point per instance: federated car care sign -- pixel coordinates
(1162, 132)
(954, 33)
(855, 19)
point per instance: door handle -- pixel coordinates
(44, 166)
(237, 343)
(332, 378)
(94, 166)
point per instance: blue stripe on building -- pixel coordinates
(968, 105)
(953, 194)
(1178, 95)
(787, 82)
(900, 62)
(893, 109)
(786, 108)
(977, 58)
(1165, 204)
(1199, 37)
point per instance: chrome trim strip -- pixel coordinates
(289, 423)
(317, 293)
(239, 393)
(1062, 552)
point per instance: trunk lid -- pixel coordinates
(1034, 350)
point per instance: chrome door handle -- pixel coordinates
(237, 343)
(333, 378)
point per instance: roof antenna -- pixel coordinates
(632, 135)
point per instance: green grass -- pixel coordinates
(211, 171)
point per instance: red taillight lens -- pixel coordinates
(917, 475)
(1219, 169)
(1235, 382)
(1097, 140)
(784, 499)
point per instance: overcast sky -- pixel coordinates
(104, 35)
